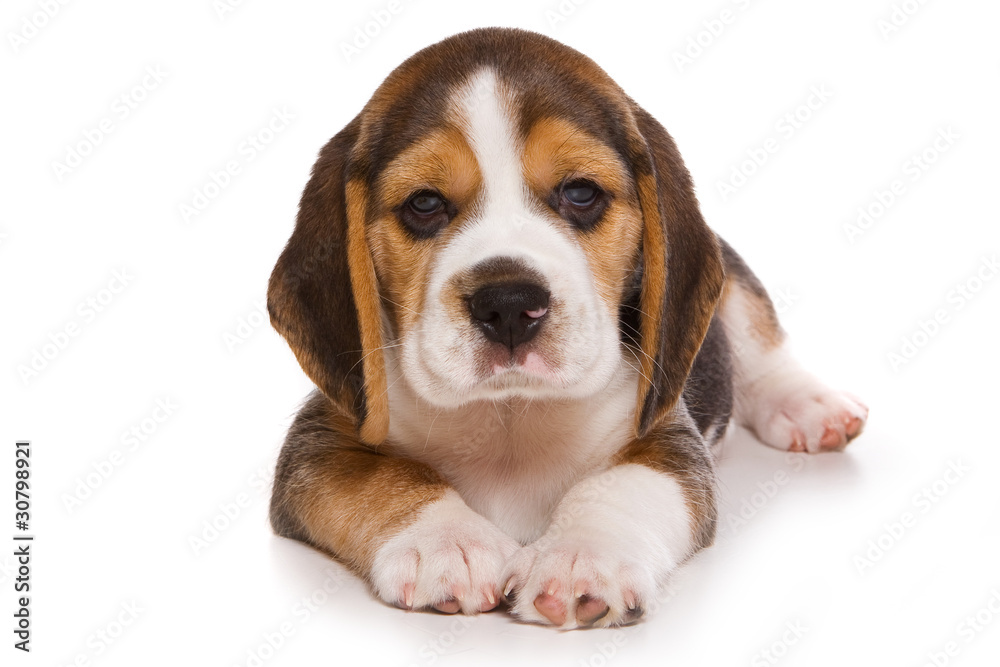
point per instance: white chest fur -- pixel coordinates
(513, 460)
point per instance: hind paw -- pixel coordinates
(807, 416)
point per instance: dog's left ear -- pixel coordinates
(682, 274)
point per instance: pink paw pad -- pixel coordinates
(550, 605)
(449, 606)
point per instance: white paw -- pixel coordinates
(450, 559)
(612, 540)
(796, 412)
(579, 583)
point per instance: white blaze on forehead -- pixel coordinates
(483, 109)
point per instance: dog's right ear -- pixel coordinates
(323, 293)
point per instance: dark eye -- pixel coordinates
(425, 203)
(581, 202)
(580, 193)
(425, 213)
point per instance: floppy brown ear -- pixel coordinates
(323, 294)
(682, 274)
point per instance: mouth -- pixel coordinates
(504, 362)
(524, 371)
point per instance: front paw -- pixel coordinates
(450, 559)
(577, 582)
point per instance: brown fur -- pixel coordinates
(310, 296)
(558, 150)
(338, 495)
(441, 161)
(764, 326)
(683, 278)
(366, 300)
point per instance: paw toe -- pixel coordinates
(632, 615)
(853, 426)
(490, 600)
(405, 598)
(590, 609)
(833, 437)
(798, 441)
(449, 606)
(551, 606)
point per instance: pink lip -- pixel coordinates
(532, 363)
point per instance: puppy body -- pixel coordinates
(525, 340)
(512, 460)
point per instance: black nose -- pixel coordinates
(509, 313)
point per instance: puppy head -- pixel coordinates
(509, 220)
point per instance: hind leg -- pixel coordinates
(783, 404)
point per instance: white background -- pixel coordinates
(192, 283)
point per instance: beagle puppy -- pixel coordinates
(525, 340)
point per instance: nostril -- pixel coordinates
(482, 310)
